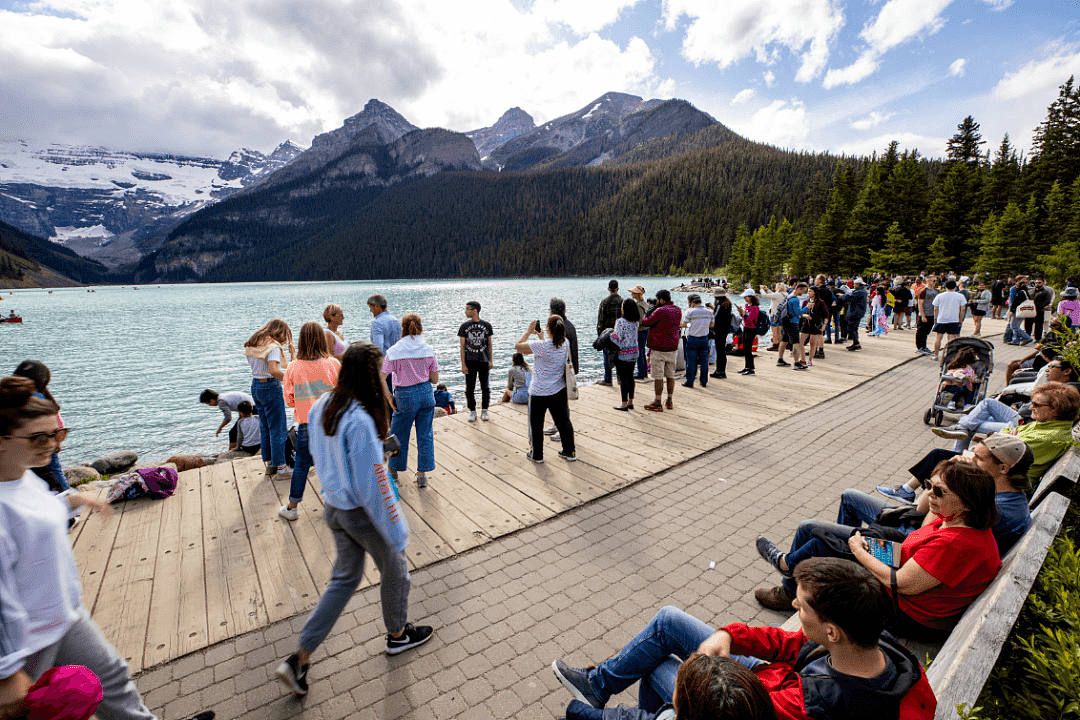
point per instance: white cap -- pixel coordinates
(748, 292)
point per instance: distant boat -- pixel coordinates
(15, 319)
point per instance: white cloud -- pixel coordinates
(770, 78)
(1039, 78)
(999, 4)
(724, 33)
(744, 96)
(957, 68)
(581, 17)
(902, 20)
(874, 119)
(927, 146)
(865, 66)
(782, 123)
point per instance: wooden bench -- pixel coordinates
(959, 666)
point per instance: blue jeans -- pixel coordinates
(653, 657)
(988, 416)
(697, 359)
(271, 405)
(609, 363)
(301, 464)
(834, 327)
(642, 367)
(415, 404)
(53, 474)
(1014, 331)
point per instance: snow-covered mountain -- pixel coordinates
(103, 202)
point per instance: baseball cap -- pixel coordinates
(748, 292)
(1009, 449)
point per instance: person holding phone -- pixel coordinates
(547, 386)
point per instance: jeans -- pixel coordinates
(476, 369)
(301, 464)
(624, 369)
(835, 325)
(84, 644)
(642, 366)
(557, 404)
(1014, 331)
(272, 425)
(988, 416)
(609, 363)
(415, 404)
(53, 474)
(354, 535)
(697, 359)
(853, 328)
(653, 657)
(960, 394)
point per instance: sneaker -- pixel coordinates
(551, 430)
(900, 492)
(421, 481)
(530, 456)
(655, 407)
(556, 438)
(777, 598)
(668, 404)
(801, 366)
(772, 348)
(819, 355)
(293, 675)
(288, 514)
(688, 385)
(569, 457)
(924, 351)
(856, 346)
(472, 416)
(414, 635)
(576, 680)
(951, 405)
(783, 363)
(721, 375)
(484, 415)
(952, 432)
(772, 555)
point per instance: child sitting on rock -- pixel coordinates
(248, 436)
(444, 399)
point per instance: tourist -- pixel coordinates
(1014, 330)
(361, 507)
(997, 298)
(980, 306)
(412, 365)
(839, 664)
(547, 388)
(444, 399)
(638, 293)
(38, 373)
(477, 358)
(751, 316)
(1069, 306)
(879, 318)
(557, 307)
(947, 309)
(313, 374)
(926, 308)
(226, 402)
(1043, 296)
(385, 329)
(901, 305)
(854, 310)
(789, 313)
(248, 437)
(777, 296)
(721, 330)
(264, 353)
(812, 321)
(45, 623)
(959, 379)
(517, 382)
(335, 341)
(821, 288)
(626, 336)
(663, 323)
(698, 320)
(610, 307)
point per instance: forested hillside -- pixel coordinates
(21, 252)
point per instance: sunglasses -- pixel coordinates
(936, 489)
(42, 439)
(1036, 403)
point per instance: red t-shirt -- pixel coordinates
(963, 559)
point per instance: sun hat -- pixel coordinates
(637, 290)
(1069, 292)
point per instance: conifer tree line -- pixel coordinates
(980, 210)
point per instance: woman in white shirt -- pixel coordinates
(44, 624)
(547, 387)
(265, 353)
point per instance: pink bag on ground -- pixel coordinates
(69, 692)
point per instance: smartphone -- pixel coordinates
(391, 445)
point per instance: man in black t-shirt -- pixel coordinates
(997, 298)
(475, 336)
(901, 305)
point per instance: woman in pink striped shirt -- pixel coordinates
(412, 363)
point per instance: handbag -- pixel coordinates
(571, 380)
(1025, 310)
(603, 341)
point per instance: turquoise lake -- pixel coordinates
(128, 364)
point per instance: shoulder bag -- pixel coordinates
(571, 380)
(1026, 310)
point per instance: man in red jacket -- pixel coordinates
(663, 326)
(841, 665)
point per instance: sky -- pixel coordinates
(206, 77)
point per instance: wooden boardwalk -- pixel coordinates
(166, 578)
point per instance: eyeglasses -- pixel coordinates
(42, 439)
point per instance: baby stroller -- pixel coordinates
(982, 367)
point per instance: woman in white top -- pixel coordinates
(44, 624)
(776, 299)
(264, 351)
(547, 388)
(335, 341)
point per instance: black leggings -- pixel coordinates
(557, 405)
(721, 355)
(748, 335)
(625, 371)
(476, 369)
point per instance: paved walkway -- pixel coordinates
(581, 584)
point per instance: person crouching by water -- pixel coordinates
(265, 353)
(412, 364)
(45, 624)
(547, 388)
(313, 374)
(347, 428)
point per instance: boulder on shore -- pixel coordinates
(231, 455)
(186, 462)
(77, 474)
(116, 463)
(440, 412)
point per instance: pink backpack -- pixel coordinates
(69, 692)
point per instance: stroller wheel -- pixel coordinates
(926, 416)
(938, 417)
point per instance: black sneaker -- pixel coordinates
(819, 355)
(771, 554)
(801, 366)
(576, 680)
(205, 715)
(856, 346)
(414, 635)
(570, 456)
(530, 456)
(293, 675)
(783, 363)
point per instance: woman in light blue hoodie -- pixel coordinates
(347, 427)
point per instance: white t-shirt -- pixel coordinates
(260, 369)
(947, 306)
(698, 318)
(549, 368)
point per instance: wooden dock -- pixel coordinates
(164, 578)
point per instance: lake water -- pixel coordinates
(128, 365)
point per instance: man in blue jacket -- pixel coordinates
(856, 309)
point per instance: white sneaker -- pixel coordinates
(472, 416)
(288, 514)
(484, 415)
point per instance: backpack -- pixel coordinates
(784, 313)
(763, 324)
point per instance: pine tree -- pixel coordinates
(953, 213)
(866, 225)
(1001, 181)
(1004, 243)
(907, 200)
(895, 256)
(742, 255)
(939, 260)
(1055, 149)
(964, 146)
(829, 233)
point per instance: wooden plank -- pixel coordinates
(94, 493)
(93, 552)
(458, 530)
(1061, 477)
(234, 602)
(286, 584)
(163, 630)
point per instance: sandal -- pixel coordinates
(655, 407)
(668, 404)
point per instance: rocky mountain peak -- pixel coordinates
(514, 122)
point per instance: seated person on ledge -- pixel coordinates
(444, 399)
(246, 435)
(944, 565)
(842, 664)
(1054, 408)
